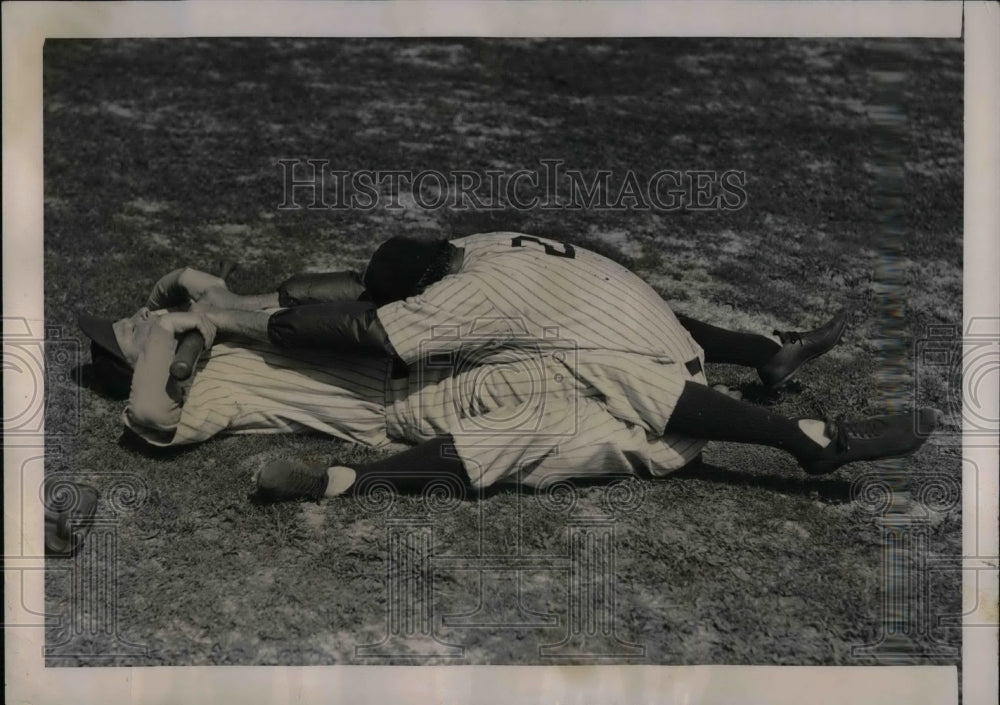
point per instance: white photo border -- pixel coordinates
(25, 27)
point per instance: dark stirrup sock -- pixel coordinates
(702, 412)
(414, 468)
(730, 347)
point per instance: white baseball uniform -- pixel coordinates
(251, 387)
(620, 338)
(515, 417)
(539, 359)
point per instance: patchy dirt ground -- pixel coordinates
(160, 154)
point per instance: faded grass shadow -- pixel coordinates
(833, 491)
(757, 393)
(134, 443)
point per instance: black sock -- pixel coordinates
(702, 412)
(730, 347)
(414, 468)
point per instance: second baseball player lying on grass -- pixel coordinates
(526, 358)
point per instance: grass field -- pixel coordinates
(160, 154)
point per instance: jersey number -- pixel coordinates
(567, 251)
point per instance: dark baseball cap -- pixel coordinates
(400, 266)
(99, 330)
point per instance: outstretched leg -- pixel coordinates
(409, 471)
(730, 347)
(700, 412)
(819, 447)
(775, 363)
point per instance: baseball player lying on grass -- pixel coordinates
(557, 362)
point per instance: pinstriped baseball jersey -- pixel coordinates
(629, 346)
(257, 388)
(514, 415)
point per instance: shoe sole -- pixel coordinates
(840, 333)
(872, 460)
(937, 419)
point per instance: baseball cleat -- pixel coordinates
(284, 480)
(69, 515)
(799, 348)
(874, 438)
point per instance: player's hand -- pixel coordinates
(182, 287)
(182, 322)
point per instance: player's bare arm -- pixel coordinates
(239, 323)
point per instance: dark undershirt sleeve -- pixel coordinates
(318, 288)
(349, 327)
